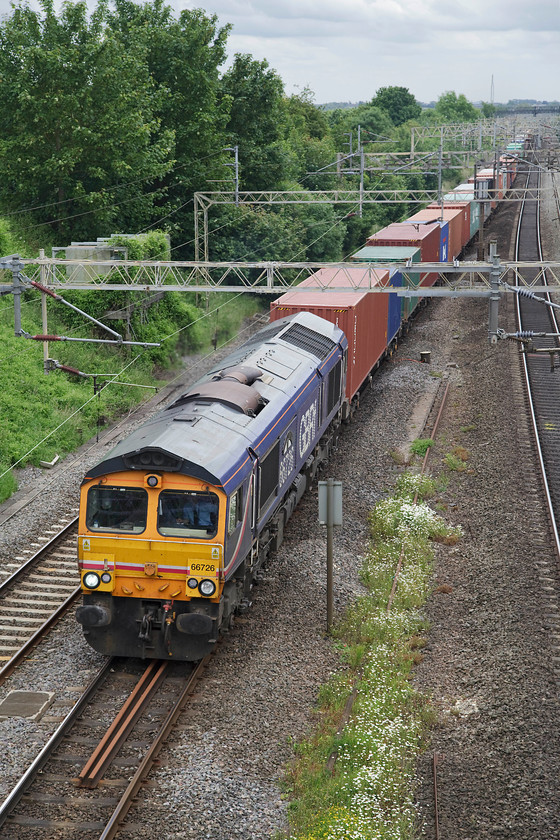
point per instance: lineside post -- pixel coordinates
(330, 514)
(44, 324)
(16, 267)
(493, 308)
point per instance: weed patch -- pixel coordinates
(453, 463)
(420, 446)
(370, 793)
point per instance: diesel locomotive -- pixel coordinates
(177, 520)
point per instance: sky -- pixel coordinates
(344, 50)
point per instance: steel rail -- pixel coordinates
(530, 400)
(36, 557)
(38, 635)
(9, 667)
(39, 762)
(134, 705)
(148, 761)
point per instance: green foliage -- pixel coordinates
(411, 483)
(488, 110)
(254, 234)
(144, 246)
(182, 56)
(86, 122)
(321, 230)
(398, 103)
(376, 127)
(453, 463)
(47, 415)
(256, 124)
(420, 446)
(306, 117)
(453, 108)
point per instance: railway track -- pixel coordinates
(37, 595)
(542, 385)
(86, 777)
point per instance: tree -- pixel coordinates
(398, 103)
(453, 108)
(254, 234)
(375, 127)
(183, 55)
(306, 117)
(79, 139)
(322, 231)
(488, 109)
(257, 123)
(311, 141)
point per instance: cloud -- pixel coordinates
(380, 18)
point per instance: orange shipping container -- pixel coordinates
(459, 224)
(361, 315)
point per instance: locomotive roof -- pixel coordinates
(207, 431)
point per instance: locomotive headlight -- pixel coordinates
(92, 580)
(106, 577)
(207, 587)
(192, 583)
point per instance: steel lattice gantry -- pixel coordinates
(458, 278)
(355, 198)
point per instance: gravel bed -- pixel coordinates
(491, 664)
(486, 648)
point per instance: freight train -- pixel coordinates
(176, 522)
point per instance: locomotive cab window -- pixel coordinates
(116, 509)
(187, 514)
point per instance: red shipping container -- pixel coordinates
(423, 236)
(362, 316)
(456, 221)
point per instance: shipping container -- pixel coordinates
(427, 237)
(387, 254)
(468, 195)
(395, 313)
(509, 164)
(361, 315)
(512, 165)
(485, 181)
(397, 254)
(458, 214)
(458, 221)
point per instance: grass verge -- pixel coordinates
(47, 415)
(370, 795)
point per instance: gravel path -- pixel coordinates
(219, 778)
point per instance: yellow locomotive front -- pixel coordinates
(150, 553)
